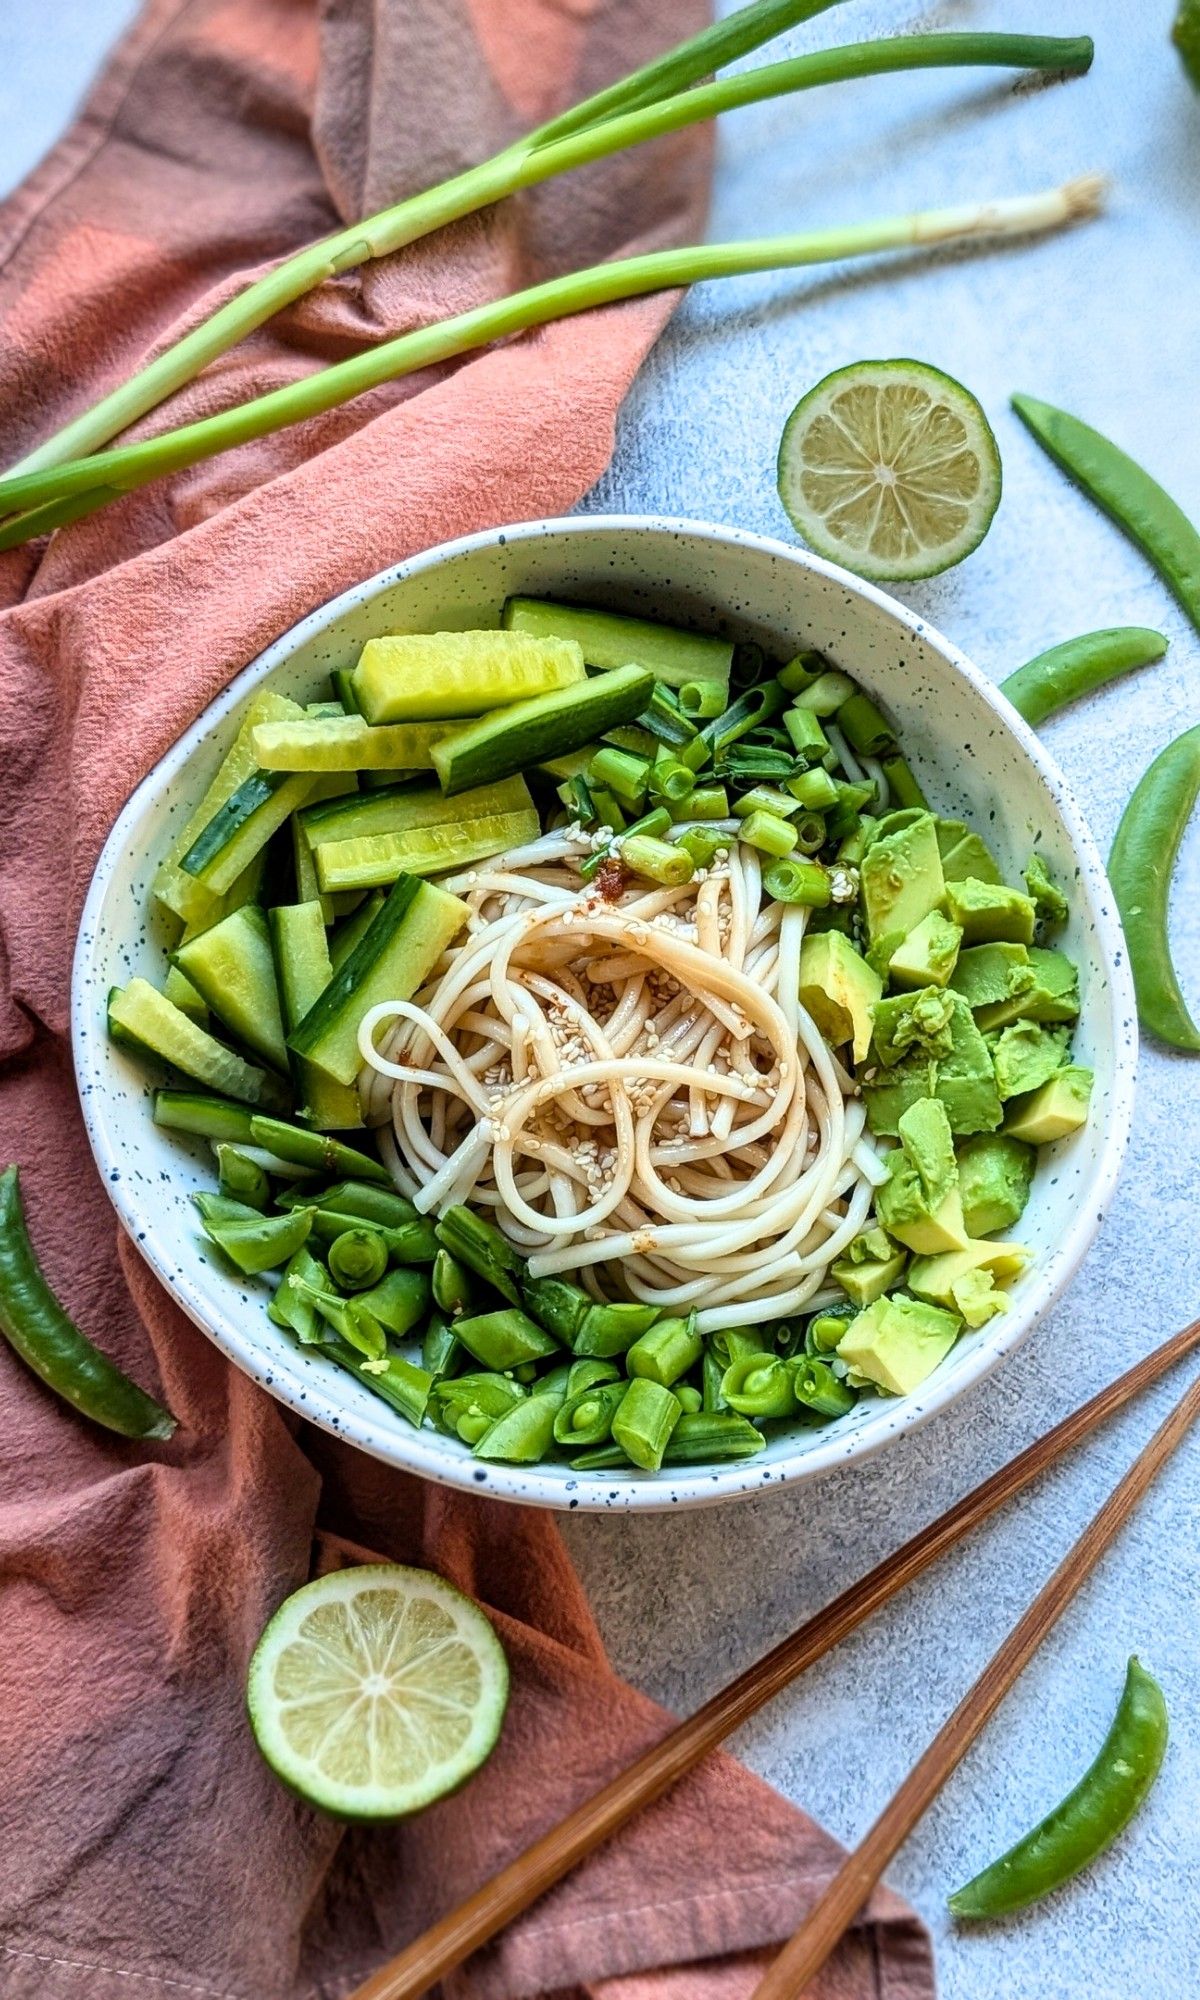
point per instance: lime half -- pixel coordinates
(375, 1691)
(890, 468)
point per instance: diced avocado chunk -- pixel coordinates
(928, 954)
(871, 1265)
(839, 989)
(1059, 1107)
(988, 912)
(901, 874)
(964, 1280)
(1052, 906)
(964, 853)
(994, 1177)
(918, 1203)
(1026, 1055)
(989, 974)
(962, 1079)
(909, 1022)
(896, 1342)
(1051, 995)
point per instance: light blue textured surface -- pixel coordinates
(1104, 320)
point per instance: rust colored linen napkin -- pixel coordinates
(147, 1850)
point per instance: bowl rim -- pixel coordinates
(300, 1388)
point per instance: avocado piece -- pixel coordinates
(901, 873)
(839, 989)
(872, 1263)
(913, 1021)
(919, 1203)
(895, 1343)
(1059, 1107)
(962, 1079)
(1027, 1055)
(1052, 906)
(927, 955)
(964, 853)
(988, 912)
(989, 974)
(994, 1177)
(1052, 994)
(964, 1280)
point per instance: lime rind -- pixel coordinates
(377, 1690)
(890, 468)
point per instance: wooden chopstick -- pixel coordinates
(802, 1958)
(498, 1901)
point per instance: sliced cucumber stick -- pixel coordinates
(423, 850)
(495, 746)
(390, 961)
(428, 676)
(233, 968)
(240, 828)
(304, 970)
(178, 989)
(194, 901)
(142, 1018)
(608, 640)
(344, 936)
(403, 808)
(345, 743)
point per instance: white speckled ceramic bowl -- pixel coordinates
(977, 760)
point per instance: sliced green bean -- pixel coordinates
(1140, 869)
(399, 1301)
(760, 1385)
(585, 1419)
(612, 1329)
(643, 1422)
(817, 1388)
(241, 1179)
(1090, 1817)
(702, 1438)
(666, 1350)
(252, 1241)
(441, 1349)
(481, 1247)
(357, 1258)
(451, 1284)
(523, 1435)
(42, 1332)
(504, 1339)
(1064, 672)
(1127, 493)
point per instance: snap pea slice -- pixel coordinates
(1126, 491)
(1064, 672)
(48, 1340)
(1090, 1817)
(1140, 869)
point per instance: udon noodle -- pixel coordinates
(624, 1078)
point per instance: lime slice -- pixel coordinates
(375, 1691)
(890, 468)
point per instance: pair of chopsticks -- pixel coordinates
(497, 1902)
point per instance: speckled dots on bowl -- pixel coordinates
(977, 760)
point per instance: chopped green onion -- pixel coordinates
(764, 798)
(768, 832)
(670, 780)
(811, 833)
(703, 844)
(808, 738)
(701, 700)
(756, 705)
(790, 880)
(904, 787)
(657, 860)
(802, 671)
(618, 772)
(815, 789)
(705, 802)
(826, 695)
(865, 728)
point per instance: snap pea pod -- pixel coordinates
(1140, 868)
(760, 1385)
(241, 1178)
(254, 1242)
(666, 1350)
(1064, 672)
(358, 1259)
(1127, 493)
(699, 1438)
(585, 1419)
(816, 1388)
(1090, 1817)
(441, 1349)
(401, 1383)
(481, 1247)
(47, 1339)
(399, 1301)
